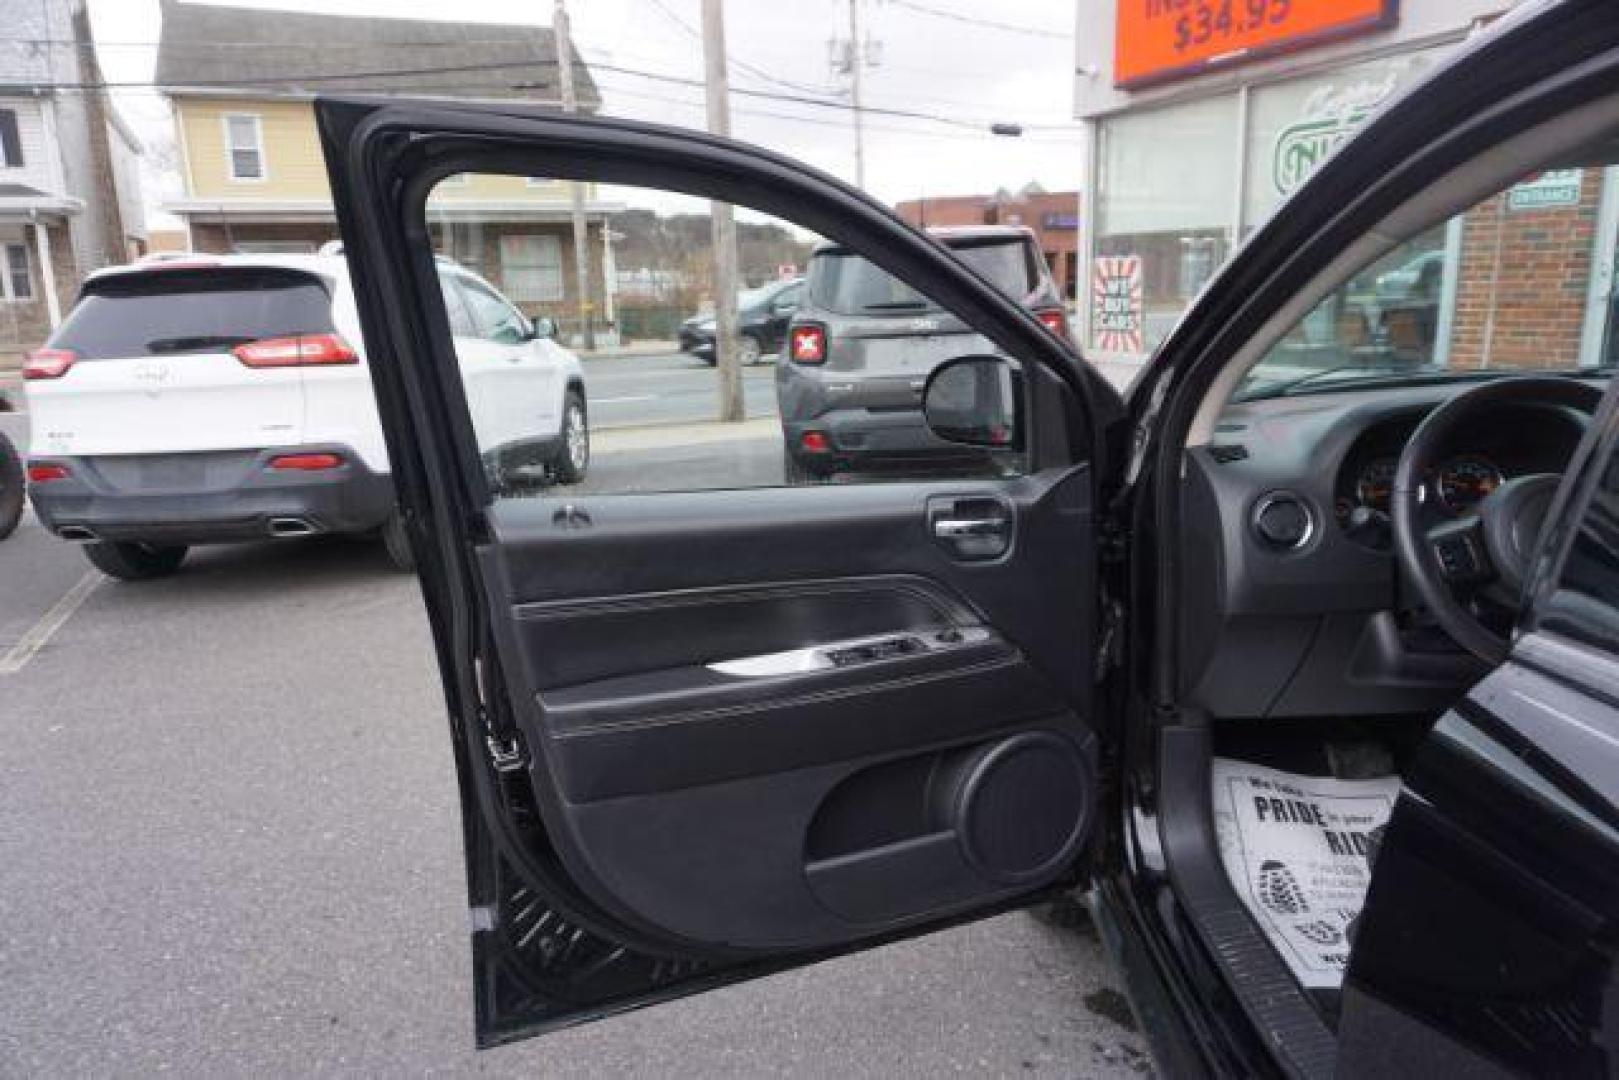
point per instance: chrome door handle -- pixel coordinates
(966, 528)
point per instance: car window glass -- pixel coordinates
(171, 311)
(1585, 602)
(846, 283)
(494, 318)
(830, 393)
(455, 305)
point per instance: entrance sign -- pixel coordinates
(1159, 40)
(1116, 303)
(1551, 189)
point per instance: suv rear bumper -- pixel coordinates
(864, 439)
(213, 497)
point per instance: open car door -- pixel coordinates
(702, 735)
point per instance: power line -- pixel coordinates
(737, 62)
(451, 69)
(973, 20)
(281, 80)
(535, 62)
(887, 129)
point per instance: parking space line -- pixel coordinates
(49, 623)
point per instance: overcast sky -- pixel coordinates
(925, 63)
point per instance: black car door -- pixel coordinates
(1489, 939)
(703, 735)
(782, 306)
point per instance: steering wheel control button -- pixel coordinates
(1283, 521)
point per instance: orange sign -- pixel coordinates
(1158, 40)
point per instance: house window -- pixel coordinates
(10, 140)
(244, 147)
(531, 267)
(19, 284)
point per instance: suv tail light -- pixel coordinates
(303, 351)
(43, 472)
(1055, 320)
(48, 363)
(306, 462)
(806, 344)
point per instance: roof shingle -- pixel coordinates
(296, 53)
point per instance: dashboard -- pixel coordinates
(1294, 603)
(1517, 440)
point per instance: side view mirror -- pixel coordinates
(544, 328)
(976, 401)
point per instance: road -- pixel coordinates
(229, 845)
(668, 388)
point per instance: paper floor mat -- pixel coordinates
(1295, 849)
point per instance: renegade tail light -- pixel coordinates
(807, 344)
(48, 363)
(1055, 320)
(306, 350)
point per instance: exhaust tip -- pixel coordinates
(291, 526)
(77, 533)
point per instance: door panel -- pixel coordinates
(633, 718)
(704, 734)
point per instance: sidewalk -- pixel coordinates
(634, 348)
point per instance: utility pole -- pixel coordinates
(576, 190)
(723, 223)
(857, 60)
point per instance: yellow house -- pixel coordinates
(251, 159)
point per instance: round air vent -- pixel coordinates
(1283, 521)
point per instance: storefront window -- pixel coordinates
(1296, 125)
(1159, 236)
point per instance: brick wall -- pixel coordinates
(1521, 289)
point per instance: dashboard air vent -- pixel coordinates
(1226, 453)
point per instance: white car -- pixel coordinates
(208, 399)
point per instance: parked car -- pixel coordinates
(11, 487)
(863, 343)
(705, 736)
(226, 398)
(762, 316)
(1416, 279)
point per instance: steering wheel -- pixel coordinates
(1486, 551)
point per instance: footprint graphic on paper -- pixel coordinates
(1279, 891)
(1321, 933)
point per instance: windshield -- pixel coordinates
(844, 282)
(1505, 286)
(749, 298)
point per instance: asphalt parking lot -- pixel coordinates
(229, 845)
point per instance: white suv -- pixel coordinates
(220, 398)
